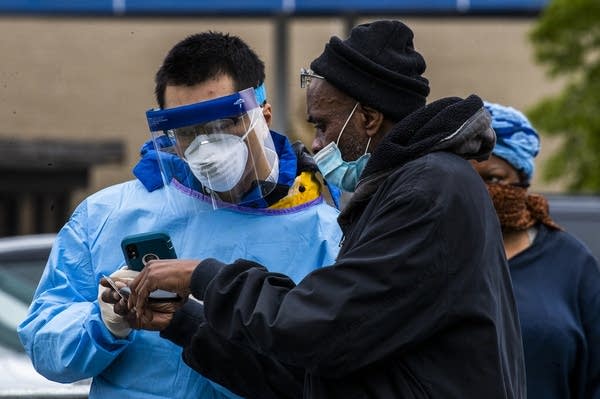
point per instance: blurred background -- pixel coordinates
(77, 77)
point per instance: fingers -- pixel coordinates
(105, 283)
(151, 320)
(164, 307)
(109, 295)
(169, 275)
(121, 308)
(160, 321)
(119, 282)
(140, 292)
(147, 281)
(133, 285)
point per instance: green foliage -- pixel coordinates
(567, 40)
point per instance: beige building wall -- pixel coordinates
(90, 79)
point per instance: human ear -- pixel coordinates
(267, 113)
(372, 120)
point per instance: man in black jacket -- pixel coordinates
(419, 302)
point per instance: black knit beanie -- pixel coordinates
(378, 66)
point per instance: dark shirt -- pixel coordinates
(557, 286)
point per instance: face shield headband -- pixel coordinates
(225, 143)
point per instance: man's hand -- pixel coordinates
(154, 316)
(109, 299)
(116, 299)
(167, 274)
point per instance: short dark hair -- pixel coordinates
(206, 55)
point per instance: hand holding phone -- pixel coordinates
(173, 275)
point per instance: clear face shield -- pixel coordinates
(228, 155)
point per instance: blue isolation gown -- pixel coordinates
(64, 334)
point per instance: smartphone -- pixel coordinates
(139, 249)
(155, 296)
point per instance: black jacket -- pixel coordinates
(419, 303)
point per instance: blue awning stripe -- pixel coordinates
(241, 7)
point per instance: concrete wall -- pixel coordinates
(93, 78)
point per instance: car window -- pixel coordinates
(20, 278)
(22, 262)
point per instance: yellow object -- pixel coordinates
(306, 188)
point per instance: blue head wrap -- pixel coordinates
(517, 142)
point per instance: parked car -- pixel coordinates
(579, 215)
(22, 261)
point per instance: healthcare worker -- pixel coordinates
(219, 183)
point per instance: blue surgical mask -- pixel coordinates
(335, 170)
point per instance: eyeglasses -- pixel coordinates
(306, 75)
(183, 136)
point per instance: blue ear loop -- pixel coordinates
(261, 94)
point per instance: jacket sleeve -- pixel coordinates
(63, 333)
(239, 369)
(384, 294)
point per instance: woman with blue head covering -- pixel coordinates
(508, 173)
(556, 280)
